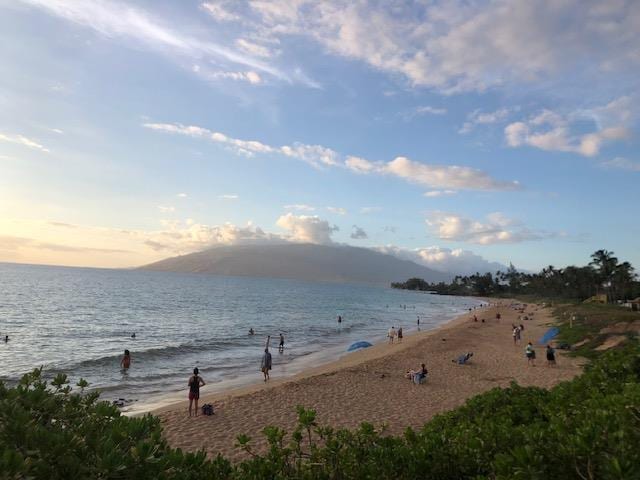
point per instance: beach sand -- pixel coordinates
(369, 385)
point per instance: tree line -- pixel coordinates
(604, 275)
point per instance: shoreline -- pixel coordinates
(242, 385)
(369, 385)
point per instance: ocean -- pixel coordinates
(79, 321)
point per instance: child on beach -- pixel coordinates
(531, 354)
(400, 335)
(281, 346)
(195, 382)
(125, 363)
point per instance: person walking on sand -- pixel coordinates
(400, 335)
(515, 334)
(125, 363)
(281, 346)
(391, 334)
(195, 382)
(530, 354)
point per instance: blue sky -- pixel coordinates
(457, 134)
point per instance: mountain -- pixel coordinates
(300, 261)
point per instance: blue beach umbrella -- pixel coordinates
(358, 345)
(549, 334)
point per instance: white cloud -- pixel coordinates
(300, 207)
(367, 210)
(166, 208)
(228, 197)
(253, 48)
(122, 21)
(249, 76)
(621, 163)
(307, 229)
(455, 261)
(337, 210)
(496, 229)
(439, 193)
(459, 45)
(56, 130)
(444, 176)
(220, 12)
(552, 131)
(423, 110)
(447, 177)
(22, 140)
(182, 195)
(358, 233)
(478, 117)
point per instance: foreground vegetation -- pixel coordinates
(604, 275)
(588, 428)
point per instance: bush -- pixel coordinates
(587, 428)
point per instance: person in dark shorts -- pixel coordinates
(281, 346)
(400, 335)
(530, 354)
(195, 382)
(551, 355)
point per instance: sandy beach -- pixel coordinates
(369, 385)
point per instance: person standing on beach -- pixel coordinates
(125, 363)
(551, 355)
(195, 382)
(400, 335)
(391, 334)
(531, 354)
(281, 346)
(265, 365)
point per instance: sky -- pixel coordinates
(464, 135)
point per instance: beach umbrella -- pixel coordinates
(548, 336)
(358, 345)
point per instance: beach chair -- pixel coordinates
(419, 379)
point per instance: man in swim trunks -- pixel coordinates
(125, 363)
(281, 346)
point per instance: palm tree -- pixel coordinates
(605, 264)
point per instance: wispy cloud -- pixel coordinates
(299, 206)
(477, 117)
(166, 208)
(122, 21)
(439, 193)
(228, 197)
(22, 140)
(621, 163)
(337, 210)
(446, 177)
(182, 195)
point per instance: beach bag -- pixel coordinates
(207, 409)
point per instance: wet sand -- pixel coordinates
(369, 385)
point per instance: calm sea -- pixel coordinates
(80, 320)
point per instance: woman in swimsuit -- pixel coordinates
(195, 382)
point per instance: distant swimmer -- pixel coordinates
(195, 382)
(133, 335)
(281, 346)
(125, 363)
(251, 332)
(339, 319)
(418, 322)
(6, 338)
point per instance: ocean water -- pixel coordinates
(80, 320)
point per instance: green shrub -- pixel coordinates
(587, 428)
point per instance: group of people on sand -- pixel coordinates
(530, 353)
(392, 334)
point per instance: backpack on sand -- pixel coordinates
(207, 409)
